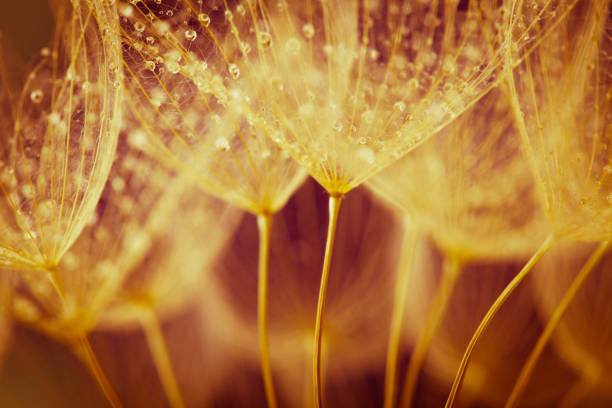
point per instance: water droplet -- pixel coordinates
(150, 65)
(413, 83)
(204, 19)
(366, 154)
(367, 117)
(150, 40)
(138, 26)
(117, 183)
(54, 118)
(137, 138)
(173, 67)
(222, 145)
(308, 31)
(245, 47)
(190, 35)
(234, 71)
(293, 45)
(265, 39)
(399, 106)
(241, 10)
(36, 96)
(45, 52)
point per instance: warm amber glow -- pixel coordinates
(306, 203)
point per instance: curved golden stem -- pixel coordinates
(334, 209)
(450, 273)
(263, 224)
(83, 349)
(484, 323)
(560, 310)
(161, 358)
(397, 315)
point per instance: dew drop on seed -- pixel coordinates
(138, 26)
(265, 39)
(36, 96)
(234, 71)
(366, 154)
(308, 31)
(222, 145)
(204, 19)
(293, 45)
(399, 106)
(150, 65)
(173, 67)
(190, 35)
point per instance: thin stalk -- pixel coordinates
(484, 323)
(397, 315)
(83, 349)
(161, 358)
(560, 310)
(263, 224)
(450, 273)
(334, 209)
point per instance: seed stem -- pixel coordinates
(83, 349)
(397, 315)
(556, 317)
(484, 323)
(334, 210)
(263, 223)
(450, 273)
(161, 358)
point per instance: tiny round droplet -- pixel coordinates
(138, 26)
(204, 19)
(190, 35)
(222, 145)
(293, 45)
(265, 39)
(36, 96)
(173, 67)
(150, 65)
(234, 71)
(308, 31)
(399, 106)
